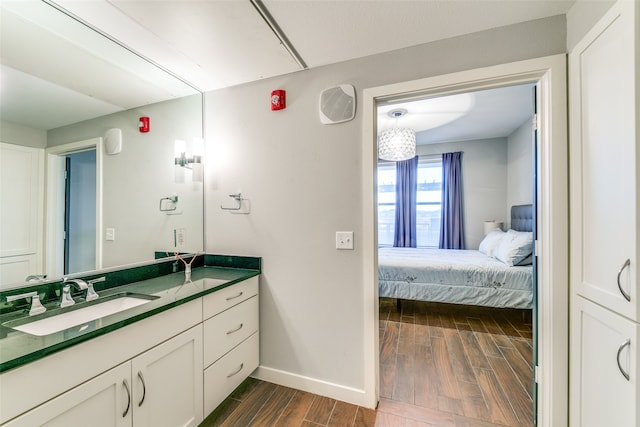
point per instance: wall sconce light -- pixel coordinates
(189, 159)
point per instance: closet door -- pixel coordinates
(608, 369)
(603, 82)
(603, 89)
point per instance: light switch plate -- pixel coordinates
(344, 239)
(110, 234)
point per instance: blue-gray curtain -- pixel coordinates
(451, 224)
(406, 194)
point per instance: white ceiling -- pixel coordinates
(218, 43)
(492, 113)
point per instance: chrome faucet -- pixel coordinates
(91, 293)
(36, 305)
(66, 299)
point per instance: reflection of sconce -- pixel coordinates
(189, 159)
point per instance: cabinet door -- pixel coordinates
(607, 345)
(604, 181)
(167, 382)
(101, 402)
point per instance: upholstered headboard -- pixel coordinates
(522, 217)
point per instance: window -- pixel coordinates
(429, 200)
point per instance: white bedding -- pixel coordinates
(453, 276)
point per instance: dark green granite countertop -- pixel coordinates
(19, 348)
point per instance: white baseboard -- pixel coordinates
(315, 386)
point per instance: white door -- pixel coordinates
(603, 96)
(21, 192)
(167, 382)
(101, 402)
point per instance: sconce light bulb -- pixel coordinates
(198, 147)
(180, 148)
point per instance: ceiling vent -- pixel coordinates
(337, 104)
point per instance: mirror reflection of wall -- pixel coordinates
(64, 85)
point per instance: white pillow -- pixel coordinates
(491, 241)
(514, 247)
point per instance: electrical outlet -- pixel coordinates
(180, 235)
(344, 239)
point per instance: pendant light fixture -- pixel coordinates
(397, 144)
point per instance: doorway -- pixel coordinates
(552, 204)
(73, 213)
(459, 356)
(80, 212)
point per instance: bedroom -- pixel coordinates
(496, 144)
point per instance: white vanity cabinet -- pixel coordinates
(231, 343)
(162, 386)
(169, 369)
(104, 400)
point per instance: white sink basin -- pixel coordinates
(69, 319)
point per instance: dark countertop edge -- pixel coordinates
(39, 354)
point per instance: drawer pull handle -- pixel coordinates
(144, 388)
(622, 346)
(236, 371)
(235, 296)
(236, 329)
(126, 387)
(626, 264)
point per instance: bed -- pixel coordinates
(498, 274)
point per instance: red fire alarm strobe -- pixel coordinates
(278, 100)
(144, 124)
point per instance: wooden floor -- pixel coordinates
(440, 365)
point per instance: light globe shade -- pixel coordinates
(397, 144)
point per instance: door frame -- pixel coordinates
(54, 251)
(552, 213)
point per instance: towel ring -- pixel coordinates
(238, 198)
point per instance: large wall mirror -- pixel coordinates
(83, 186)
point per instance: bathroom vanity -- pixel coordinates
(170, 360)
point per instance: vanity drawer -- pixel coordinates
(229, 328)
(228, 297)
(221, 378)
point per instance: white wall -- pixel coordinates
(520, 168)
(13, 133)
(484, 182)
(135, 180)
(582, 16)
(303, 180)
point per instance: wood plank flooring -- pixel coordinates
(440, 365)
